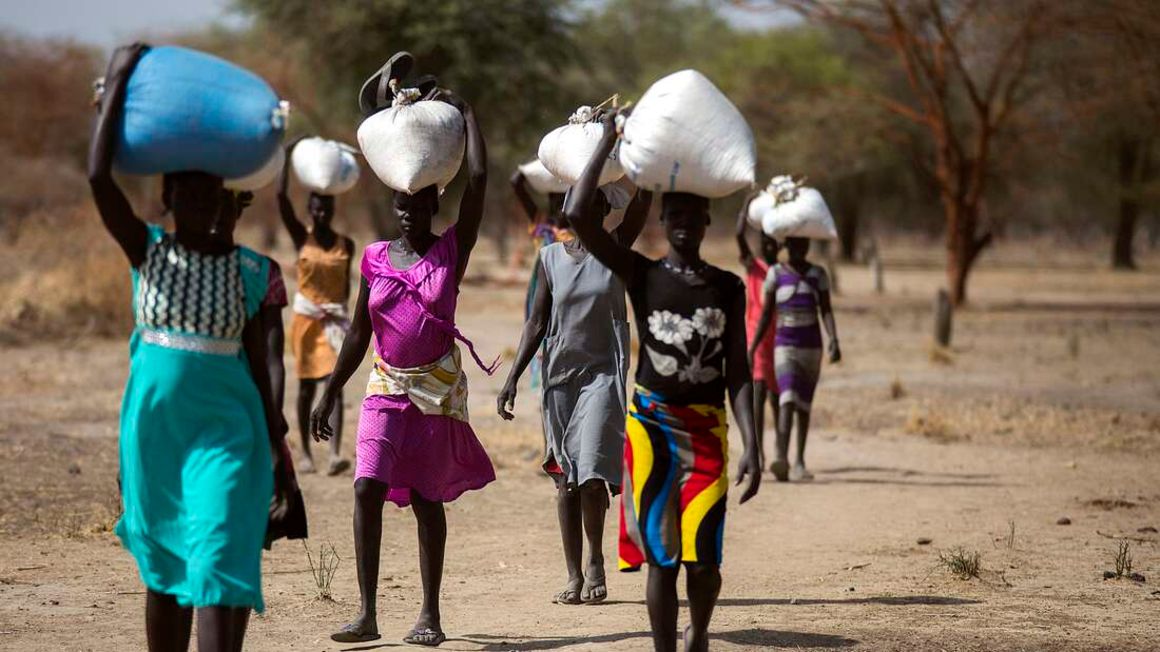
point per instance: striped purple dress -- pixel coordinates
(797, 345)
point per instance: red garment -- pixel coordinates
(754, 302)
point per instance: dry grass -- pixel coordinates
(931, 423)
(1123, 559)
(961, 563)
(322, 569)
(60, 273)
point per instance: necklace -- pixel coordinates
(685, 270)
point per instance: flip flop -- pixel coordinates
(350, 633)
(338, 466)
(587, 595)
(563, 597)
(430, 637)
(375, 93)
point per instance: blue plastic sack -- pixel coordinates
(186, 110)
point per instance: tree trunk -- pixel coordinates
(963, 246)
(848, 193)
(1132, 161)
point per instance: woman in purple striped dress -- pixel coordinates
(797, 292)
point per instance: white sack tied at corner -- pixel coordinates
(326, 167)
(263, 177)
(684, 135)
(414, 144)
(540, 179)
(787, 209)
(566, 150)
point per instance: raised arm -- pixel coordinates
(740, 384)
(471, 206)
(746, 254)
(590, 228)
(354, 348)
(116, 212)
(634, 217)
(520, 187)
(533, 335)
(827, 310)
(285, 206)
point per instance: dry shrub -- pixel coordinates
(962, 563)
(930, 422)
(61, 273)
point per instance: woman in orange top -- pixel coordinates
(320, 314)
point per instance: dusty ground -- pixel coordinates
(1047, 406)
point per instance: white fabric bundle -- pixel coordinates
(262, 177)
(540, 179)
(566, 150)
(412, 145)
(787, 209)
(685, 136)
(326, 167)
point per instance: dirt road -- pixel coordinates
(1048, 406)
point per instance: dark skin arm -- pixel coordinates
(634, 218)
(275, 335)
(116, 212)
(827, 310)
(285, 207)
(471, 205)
(520, 187)
(740, 384)
(600, 243)
(533, 335)
(746, 254)
(767, 311)
(254, 341)
(354, 348)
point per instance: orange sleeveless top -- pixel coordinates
(323, 274)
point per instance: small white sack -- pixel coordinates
(540, 179)
(685, 136)
(414, 145)
(325, 167)
(566, 150)
(800, 213)
(262, 178)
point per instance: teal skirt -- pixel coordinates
(196, 475)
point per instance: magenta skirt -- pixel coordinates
(436, 456)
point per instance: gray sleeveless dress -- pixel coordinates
(585, 369)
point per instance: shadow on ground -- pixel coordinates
(759, 637)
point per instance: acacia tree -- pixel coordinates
(965, 63)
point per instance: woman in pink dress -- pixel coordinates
(415, 446)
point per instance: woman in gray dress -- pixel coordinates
(579, 316)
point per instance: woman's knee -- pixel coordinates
(368, 491)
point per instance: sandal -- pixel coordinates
(375, 92)
(567, 596)
(594, 591)
(350, 633)
(425, 636)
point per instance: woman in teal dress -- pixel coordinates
(197, 419)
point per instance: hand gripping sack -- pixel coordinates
(412, 145)
(566, 150)
(787, 209)
(263, 177)
(685, 136)
(540, 179)
(325, 167)
(190, 111)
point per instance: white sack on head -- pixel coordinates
(326, 167)
(566, 150)
(263, 177)
(800, 212)
(685, 136)
(540, 179)
(414, 145)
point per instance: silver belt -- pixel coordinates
(793, 318)
(194, 343)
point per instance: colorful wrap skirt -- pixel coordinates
(675, 481)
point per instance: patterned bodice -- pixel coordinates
(183, 291)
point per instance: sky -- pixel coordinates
(108, 23)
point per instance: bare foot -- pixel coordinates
(364, 628)
(306, 464)
(800, 474)
(337, 466)
(780, 470)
